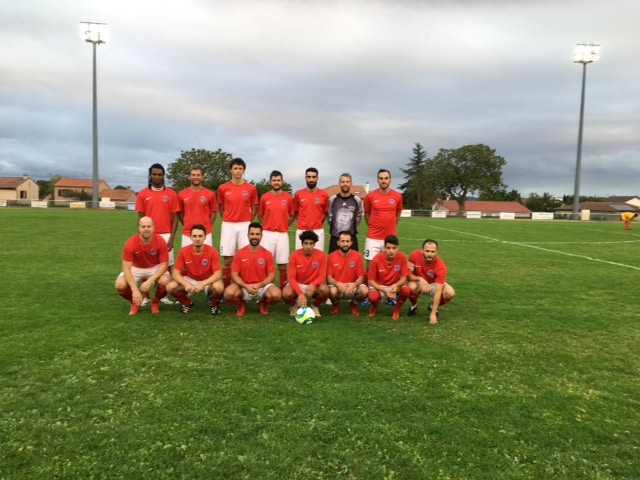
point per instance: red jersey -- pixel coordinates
(145, 255)
(311, 270)
(311, 208)
(237, 200)
(434, 272)
(160, 205)
(383, 210)
(196, 208)
(345, 268)
(253, 267)
(385, 272)
(275, 211)
(199, 267)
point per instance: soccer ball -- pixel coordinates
(305, 315)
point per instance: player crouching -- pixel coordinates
(387, 277)
(345, 275)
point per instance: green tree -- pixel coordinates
(264, 186)
(46, 186)
(542, 203)
(455, 173)
(215, 167)
(413, 192)
(501, 195)
(122, 187)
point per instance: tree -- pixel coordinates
(215, 167)
(454, 173)
(501, 195)
(122, 187)
(544, 203)
(264, 186)
(413, 192)
(46, 186)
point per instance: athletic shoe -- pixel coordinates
(166, 301)
(354, 309)
(413, 311)
(316, 311)
(215, 310)
(155, 308)
(242, 309)
(335, 308)
(292, 310)
(145, 301)
(264, 310)
(186, 308)
(366, 303)
(396, 314)
(134, 309)
(392, 302)
(373, 311)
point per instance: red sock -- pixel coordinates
(283, 278)
(161, 292)
(126, 294)
(414, 298)
(215, 301)
(374, 297)
(182, 297)
(226, 276)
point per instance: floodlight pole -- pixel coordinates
(94, 36)
(584, 53)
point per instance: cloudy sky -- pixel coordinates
(339, 85)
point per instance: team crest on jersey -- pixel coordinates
(315, 265)
(284, 203)
(352, 264)
(153, 252)
(431, 273)
(396, 268)
(245, 193)
(261, 261)
(392, 201)
(205, 262)
(203, 199)
(316, 201)
(165, 199)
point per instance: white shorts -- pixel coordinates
(278, 244)
(432, 289)
(246, 296)
(191, 281)
(233, 237)
(372, 247)
(342, 295)
(142, 274)
(319, 244)
(186, 240)
(166, 239)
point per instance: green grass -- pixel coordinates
(531, 373)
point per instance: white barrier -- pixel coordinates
(541, 215)
(507, 216)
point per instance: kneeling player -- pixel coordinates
(346, 276)
(387, 277)
(197, 269)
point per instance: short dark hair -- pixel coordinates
(254, 225)
(383, 170)
(195, 167)
(311, 169)
(199, 226)
(392, 239)
(157, 166)
(308, 235)
(275, 173)
(429, 240)
(346, 232)
(237, 161)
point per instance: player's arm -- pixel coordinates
(215, 276)
(437, 297)
(162, 268)
(176, 274)
(174, 229)
(128, 276)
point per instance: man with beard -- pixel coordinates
(344, 214)
(428, 276)
(346, 276)
(197, 270)
(276, 214)
(387, 277)
(252, 274)
(198, 206)
(310, 206)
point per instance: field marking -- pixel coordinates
(549, 250)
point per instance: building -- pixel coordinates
(18, 188)
(487, 208)
(606, 210)
(118, 195)
(76, 189)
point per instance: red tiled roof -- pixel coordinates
(118, 194)
(11, 183)
(485, 206)
(67, 182)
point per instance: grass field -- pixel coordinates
(531, 373)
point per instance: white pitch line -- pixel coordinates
(585, 257)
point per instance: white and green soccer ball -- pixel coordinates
(305, 315)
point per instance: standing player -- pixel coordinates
(307, 272)
(345, 275)
(238, 205)
(428, 276)
(252, 272)
(387, 274)
(276, 214)
(344, 214)
(144, 261)
(311, 205)
(197, 269)
(198, 206)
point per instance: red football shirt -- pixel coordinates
(275, 211)
(345, 268)
(384, 211)
(308, 270)
(145, 255)
(253, 267)
(199, 267)
(385, 272)
(160, 205)
(237, 201)
(311, 208)
(431, 272)
(196, 208)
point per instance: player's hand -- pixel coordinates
(433, 317)
(136, 298)
(302, 301)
